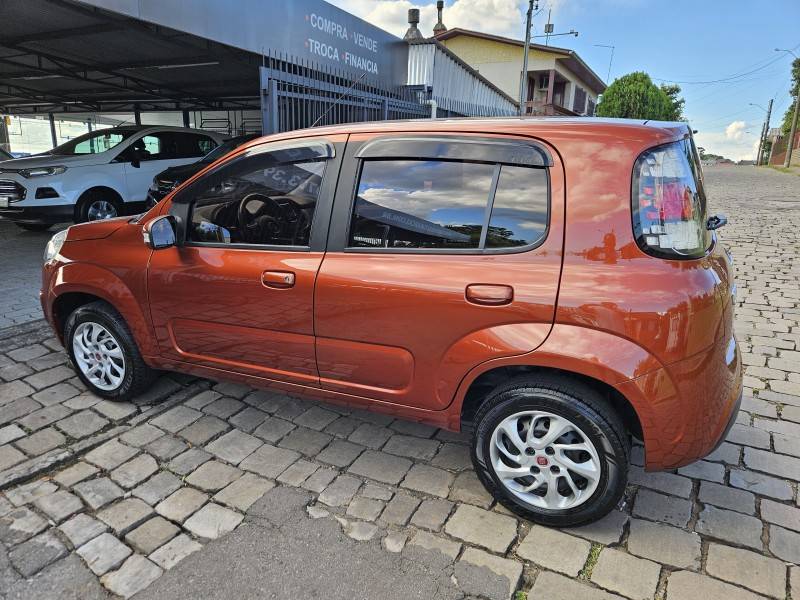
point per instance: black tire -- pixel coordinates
(584, 407)
(137, 375)
(33, 226)
(89, 198)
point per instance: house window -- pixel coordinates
(579, 103)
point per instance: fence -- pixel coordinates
(296, 93)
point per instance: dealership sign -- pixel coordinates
(303, 29)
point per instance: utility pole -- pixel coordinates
(763, 144)
(762, 140)
(788, 160)
(523, 88)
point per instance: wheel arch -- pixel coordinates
(488, 380)
(79, 284)
(105, 189)
(599, 359)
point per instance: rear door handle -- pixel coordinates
(278, 279)
(489, 294)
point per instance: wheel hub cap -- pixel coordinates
(545, 460)
(101, 209)
(98, 355)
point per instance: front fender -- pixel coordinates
(91, 279)
(596, 354)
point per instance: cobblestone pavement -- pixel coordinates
(21, 253)
(133, 488)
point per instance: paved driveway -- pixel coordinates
(204, 489)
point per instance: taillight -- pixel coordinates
(668, 206)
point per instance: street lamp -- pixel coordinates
(788, 160)
(611, 60)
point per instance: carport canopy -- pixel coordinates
(60, 56)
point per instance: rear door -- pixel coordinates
(415, 288)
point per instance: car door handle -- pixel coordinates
(278, 279)
(489, 294)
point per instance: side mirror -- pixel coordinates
(161, 232)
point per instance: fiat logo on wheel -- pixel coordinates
(541, 461)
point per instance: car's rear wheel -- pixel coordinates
(552, 450)
(96, 205)
(104, 353)
(33, 226)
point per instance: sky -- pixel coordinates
(721, 52)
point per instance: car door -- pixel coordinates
(445, 251)
(237, 294)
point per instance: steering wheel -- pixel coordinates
(263, 218)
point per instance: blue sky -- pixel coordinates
(677, 40)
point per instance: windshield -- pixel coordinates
(225, 147)
(94, 142)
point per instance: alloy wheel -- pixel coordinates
(98, 355)
(545, 460)
(101, 209)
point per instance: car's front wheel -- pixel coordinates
(97, 205)
(104, 353)
(552, 450)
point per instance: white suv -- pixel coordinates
(95, 176)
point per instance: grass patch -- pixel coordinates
(594, 555)
(521, 596)
(789, 170)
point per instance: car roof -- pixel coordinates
(618, 128)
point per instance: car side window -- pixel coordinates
(154, 146)
(448, 204)
(258, 199)
(193, 145)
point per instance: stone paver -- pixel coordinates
(269, 461)
(125, 514)
(59, 505)
(685, 585)
(554, 550)
(213, 521)
(103, 553)
(213, 475)
(134, 575)
(98, 492)
(552, 586)
(242, 493)
(19, 525)
(82, 528)
(730, 526)
(184, 502)
(630, 576)
(747, 569)
(482, 574)
(381, 467)
(174, 551)
(151, 535)
(135, 471)
(483, 528)
(157, 487)
(234, 446)
(429, 480)
(664, 544)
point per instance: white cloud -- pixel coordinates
(500, 17)
(736, 130)
(737, 142)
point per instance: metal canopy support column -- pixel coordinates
(269, 102)
(137, 115)
(53, 135)
(186, 118)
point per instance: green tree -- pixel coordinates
(635, 96)
(672, 90)
(787, 118)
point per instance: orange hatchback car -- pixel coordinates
(551, 286)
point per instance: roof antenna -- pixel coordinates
(336, 102)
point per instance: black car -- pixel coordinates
(169, 179)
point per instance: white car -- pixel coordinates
(99, 175)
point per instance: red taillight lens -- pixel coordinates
(668, 206)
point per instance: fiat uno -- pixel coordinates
(552, 287)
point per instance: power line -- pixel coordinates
(729, 78)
